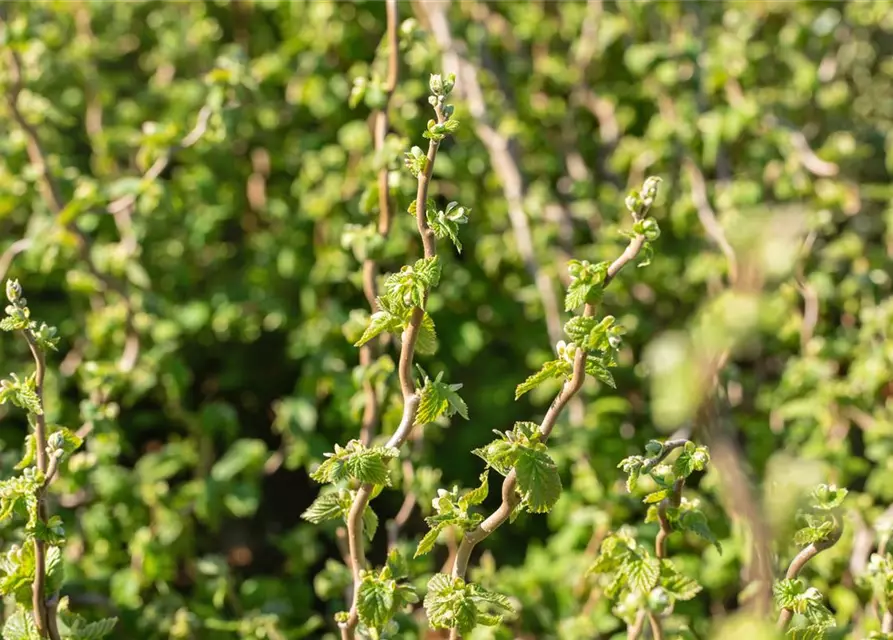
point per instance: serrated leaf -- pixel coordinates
(30, 454)
(439, 398)
(596, 369)
(642, 572)
(429, 540)
(691, 459)
(577, 293)
(375, 601)
(325, 507)
(695, 521)
(379, 322)
(538, 481)
(656, 496)
(499, 454)
(551, 369)
(370, 523)
(428, 270)
(19, 626)
(477, 495)
(426, 343)
(677, 586)
(368, 467)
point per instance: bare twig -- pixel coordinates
(17, 247)
(502, 155)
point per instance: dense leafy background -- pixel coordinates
(183, 507)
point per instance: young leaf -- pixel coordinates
(692, 458)
(370, 523)
(375, 601)
(538, 481)
(551, 369)
(427, 542)
(439, 398)
(477, 495)
(426, 343)
(499, 454)
(642, 572)
(677, 586)
(325, 507)
(380, 322)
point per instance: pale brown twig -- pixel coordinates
(370, 268)
(570, 388)
(806, 554)
(502, 155)
(411, 398)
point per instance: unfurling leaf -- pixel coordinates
(538, 481)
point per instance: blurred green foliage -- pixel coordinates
(236, 271)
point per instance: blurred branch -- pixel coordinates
(502, 155)
(369, 350)
(707, 216)
(52, 196)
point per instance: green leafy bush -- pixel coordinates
(265, 232)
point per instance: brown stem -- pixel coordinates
(887, 622)
(38, 601)
(800, 560)
(503, 156)
(656, 630)
(635, 630)
(51, 194)
(571, 387)
(370, 268)
(411, 398)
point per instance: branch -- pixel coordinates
(411, 398)
(370, 268)
(38, 601)
(800, 560)
(502, 156)
(571, 387)
(707, 217)
(52, 196)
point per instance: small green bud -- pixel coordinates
(436, 84)
(13, 291)
(650, 229)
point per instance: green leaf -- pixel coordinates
(375, 601)
(538, 481)
(595, 367)
(426, 343)
(428, 270)
(370, 523)
(379, 322)
(325, 507)
(429, 540)
(828, 497)
(551, 369)
(30, 454)
(642, 572)
(19, 626)
(695, 521)
(356, 461)
(692, 458)
(439, 398)
(657, 496)
(677, 586)
(477, 495)
(499, 454)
